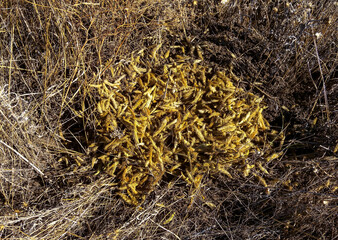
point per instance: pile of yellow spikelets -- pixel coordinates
(170, 114)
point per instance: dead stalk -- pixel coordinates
(25, 159)
(322, 77)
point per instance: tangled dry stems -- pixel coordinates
(50, 49)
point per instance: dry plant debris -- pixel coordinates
(154, 118)
(51, 49)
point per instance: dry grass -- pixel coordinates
(49, 50)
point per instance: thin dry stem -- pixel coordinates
(25, 159)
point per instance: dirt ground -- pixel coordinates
(284, 51)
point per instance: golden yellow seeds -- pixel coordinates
(172, 118)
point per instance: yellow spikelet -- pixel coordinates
(274, 156)
(169, 219)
